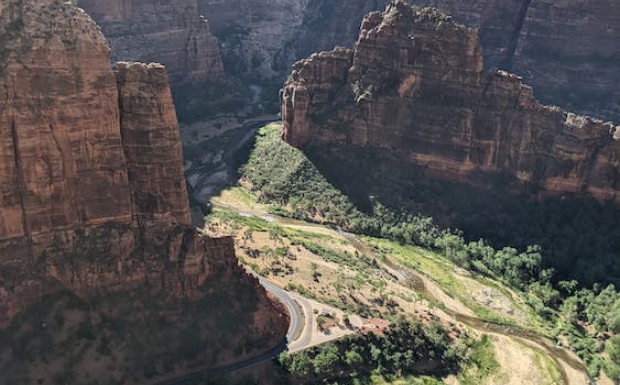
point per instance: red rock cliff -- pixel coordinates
(414, 85)
(92, 191)
(71, 157)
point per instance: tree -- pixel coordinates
(315, 274)
(300, 365)
(613, 350)
(352, 358)
(326, 360)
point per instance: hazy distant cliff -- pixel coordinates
(170, 32)
(414, 85)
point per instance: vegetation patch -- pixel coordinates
(404, 349)
(285, 178)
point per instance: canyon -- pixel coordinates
(259, 40)
(94, 203)
(414, 86)
(177, 35)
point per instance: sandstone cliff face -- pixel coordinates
(152, 144)
(60, 124)
(171, 32)
(567, 50)
(414, 86)
(92, 192)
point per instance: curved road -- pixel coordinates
(299, 324)
(297, 318)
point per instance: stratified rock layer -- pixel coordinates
(414, 86)
(93, 198)
(170, 32)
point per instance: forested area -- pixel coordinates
(586, 313)
(404, 348)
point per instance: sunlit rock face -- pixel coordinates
(414, 85)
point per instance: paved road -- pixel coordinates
(298, 326)
(297, 318)
(201, 375)
(304, 340)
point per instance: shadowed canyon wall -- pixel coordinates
(93, 200)
(549, 43)
(567, 50)
(414, 86)
(176, 34)
(170, 32)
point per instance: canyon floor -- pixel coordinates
(379, 279)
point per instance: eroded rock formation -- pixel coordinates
(93, 199)
(549, 43)
(414, 85)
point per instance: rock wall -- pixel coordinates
(152, 144)
(254, 31)
(93, 198)
(62, 156)
(74, 159)
(176, 34)
(170, 32)
(567, 50)
(414, 85)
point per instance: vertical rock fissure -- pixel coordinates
(74, 182)
(134, 215)
(514, 39)
(20, 182)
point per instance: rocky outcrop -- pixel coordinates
(92, 194)
(73, 158)
(152, 145)
(414, 86)
(567, 50)
(260, 39)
